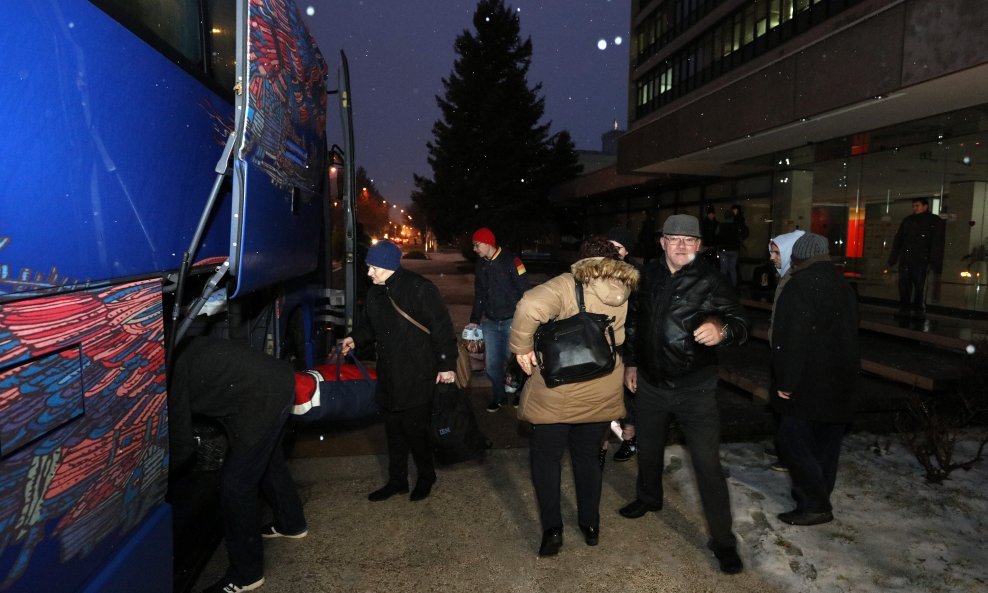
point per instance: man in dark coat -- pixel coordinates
(414, 353)
(815, 361)
(918, 249)
(250, 394)
(683, 309)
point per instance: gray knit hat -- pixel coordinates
(809, 245)
(681, 224)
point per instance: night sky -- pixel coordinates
(400, 50)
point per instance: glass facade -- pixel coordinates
(749, 31)
(854, 190)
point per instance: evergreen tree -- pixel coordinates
(492, 161)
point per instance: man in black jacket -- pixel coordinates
(250, 394)
(683, 309)
(815, 362)
(408, 323)
(499, 282)
(918, 249)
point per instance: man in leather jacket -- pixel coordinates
(683, 309)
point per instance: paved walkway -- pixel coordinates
(479, 530)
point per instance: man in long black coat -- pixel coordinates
(815, 361)
(414, 353)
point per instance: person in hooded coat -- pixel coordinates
(815, 361)
(573, 416)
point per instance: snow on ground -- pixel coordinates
(892, 531)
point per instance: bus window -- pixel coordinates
(175, 22)
(222, 42)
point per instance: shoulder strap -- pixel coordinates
(579, 297)
(407, 316)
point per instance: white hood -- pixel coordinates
(785, 242)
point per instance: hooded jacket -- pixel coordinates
(815, 344)
(785, 242)
(607, 285)
(667, 310)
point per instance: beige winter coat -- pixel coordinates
(607, 284)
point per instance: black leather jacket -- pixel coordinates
(665, 311)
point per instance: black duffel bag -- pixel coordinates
(577, 348)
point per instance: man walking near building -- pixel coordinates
(815, 362)
(499, 282)
(684, 309)
(918, 249)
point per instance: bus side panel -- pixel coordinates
(109, 151)
(83, 435)
(281, 161)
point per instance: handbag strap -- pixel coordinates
(408, 317)
(342, 358)
(579, 296)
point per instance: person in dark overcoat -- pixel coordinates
(918, 249)
(250, 394)
(815, 361)
(413, 355)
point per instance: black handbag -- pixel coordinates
(453, 427)
(575, 349)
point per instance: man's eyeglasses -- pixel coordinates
(691, 241)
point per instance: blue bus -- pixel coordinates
(161, 160)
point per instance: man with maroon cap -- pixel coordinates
(499, 282)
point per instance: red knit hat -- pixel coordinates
(484, 235)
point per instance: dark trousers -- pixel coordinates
(408, 432)
(912, 286)
(695, 411)
(546, 448)
(260, 467)
(810, 451)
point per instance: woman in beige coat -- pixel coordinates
(576, 415)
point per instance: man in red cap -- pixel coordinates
(499, 282)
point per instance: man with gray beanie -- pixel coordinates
(815, 362)
(683, 309)
(407, 321)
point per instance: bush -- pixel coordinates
(931, 424)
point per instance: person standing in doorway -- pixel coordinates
(918, 249)
(499, 283)
(683, 309)
(708, 234)
(730, 235)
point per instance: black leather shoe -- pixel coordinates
(805, 518)
(552, 540)
(591, 535)
(386, 492)
(637, 508)
(421, 490)
(730, 562)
